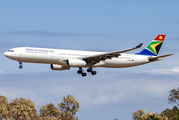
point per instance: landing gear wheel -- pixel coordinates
(89, 70)
(83, 74)
(20, 66)
(93, 72)
(79, 71)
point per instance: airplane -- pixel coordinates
(61, 59)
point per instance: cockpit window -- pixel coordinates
(10, 50)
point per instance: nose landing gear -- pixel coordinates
(20, 66)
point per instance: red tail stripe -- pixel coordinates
(160, 38)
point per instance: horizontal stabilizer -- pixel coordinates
(158, 57)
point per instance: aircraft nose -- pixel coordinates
(6, 54)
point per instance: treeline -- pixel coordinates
(24, 109)
(168, 114)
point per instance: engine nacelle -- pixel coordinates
(76, 63)
(59, 67)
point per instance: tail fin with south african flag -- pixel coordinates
(154, 47)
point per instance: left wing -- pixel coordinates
(101, 57)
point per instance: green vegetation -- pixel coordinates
(172, 114)
(24, 109)
(140, 115)
(168, 114)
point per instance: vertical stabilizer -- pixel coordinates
(154, 47)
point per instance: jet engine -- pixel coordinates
(59, 67)
(76, 63)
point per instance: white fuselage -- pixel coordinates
(59, 56)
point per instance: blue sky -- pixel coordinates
(95, 26)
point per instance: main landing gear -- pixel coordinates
(20, 66)
(91, 70)
(80, 71)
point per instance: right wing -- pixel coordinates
(101, 57)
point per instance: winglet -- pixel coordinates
(138, 46)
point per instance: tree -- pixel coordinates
(23, 109)
(154, 116)
(174, 96)
(68, 108)
(172, 114)
(138, 114)
(49, 112)
(150, 117)
(4, 108)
